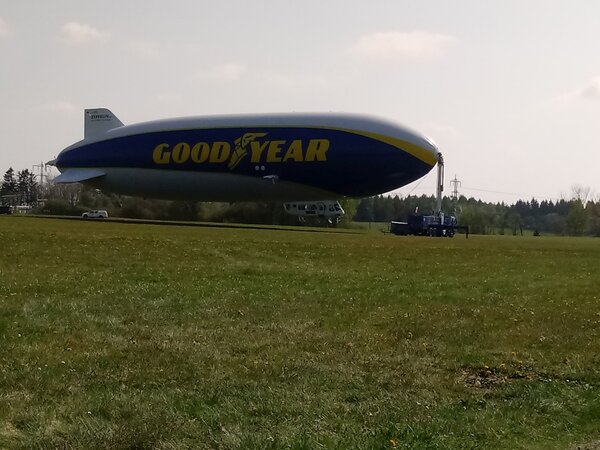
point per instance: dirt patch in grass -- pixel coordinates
(489, 377)
(482, 377)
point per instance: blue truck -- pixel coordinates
(437, 224)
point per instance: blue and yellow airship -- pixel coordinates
(287, 157)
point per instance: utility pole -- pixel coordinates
(42, 174)
(455, 185)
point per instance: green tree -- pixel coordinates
(515, 222)
(577, 218)
(8, 189)
(471, 217)
(593, 218)
(27, 187)
(183, 210)
(349, 206)
(554, 223)
(501, 222)
(364, 210)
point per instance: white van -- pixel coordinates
(96, 214)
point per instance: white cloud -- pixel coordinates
(591, 91)
(77, 34)
(401, 45)
(4, 30)
(223, 72)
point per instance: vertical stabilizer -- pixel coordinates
(98, 121)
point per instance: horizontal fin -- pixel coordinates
(78, 175)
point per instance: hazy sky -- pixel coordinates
(509, 90)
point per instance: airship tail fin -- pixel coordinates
(78, 175)
(98, 121)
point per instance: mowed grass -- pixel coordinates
(143, 336)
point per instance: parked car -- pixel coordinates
(96, 214)
(5, 210)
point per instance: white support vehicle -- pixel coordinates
(96, 214)
(329, 210)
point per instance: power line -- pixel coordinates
(514, 194)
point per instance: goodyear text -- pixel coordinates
(247, 146)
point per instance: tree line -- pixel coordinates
(575, 217)
(18, 189)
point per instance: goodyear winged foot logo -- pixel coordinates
(240, 148)
(252, 145)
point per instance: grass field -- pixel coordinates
(143, 336)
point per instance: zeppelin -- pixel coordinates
(287, 157)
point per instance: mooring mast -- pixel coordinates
(440, 184)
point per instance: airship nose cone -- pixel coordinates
(429, 151)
